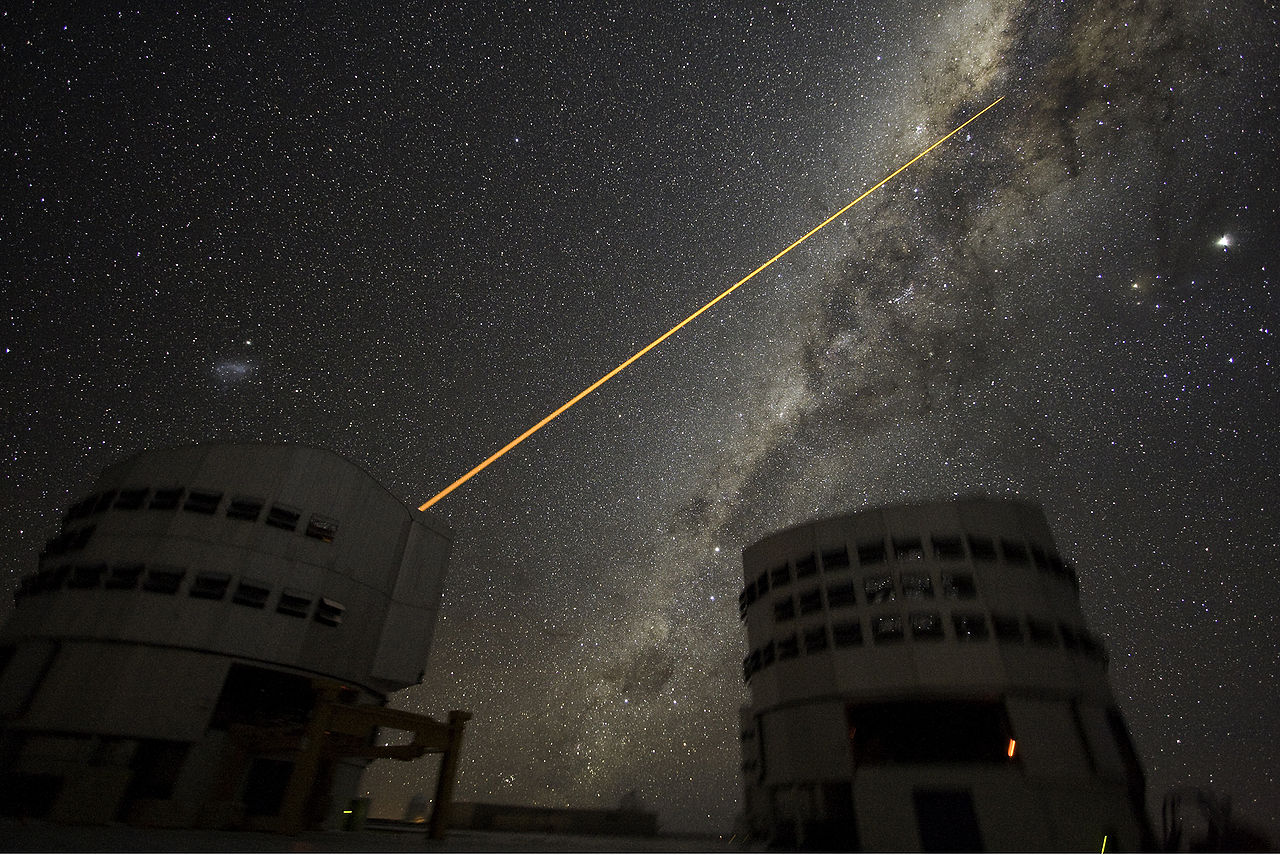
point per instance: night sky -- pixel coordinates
(407, 235)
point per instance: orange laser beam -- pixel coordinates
(660, 339)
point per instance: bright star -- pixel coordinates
(1224, 241)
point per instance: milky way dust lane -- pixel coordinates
(660, 339)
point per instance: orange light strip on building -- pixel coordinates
(1012, 744)
(660, 339)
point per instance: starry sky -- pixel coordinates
(408, 233)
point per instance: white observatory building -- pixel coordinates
(162, 664)
(922, 679)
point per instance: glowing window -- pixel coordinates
(917, 586)
(970, 626)
(926, 626)
(886, 628)
(322, 528)
(879, 589)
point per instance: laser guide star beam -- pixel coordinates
(660, 339)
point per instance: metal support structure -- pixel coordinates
(448, 774)
(307, 764)
(336, 730)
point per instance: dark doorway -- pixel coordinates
(929, 731)
(156, 765)
(947, 821)
(837, 829)
(28, 794)
(262, 697)
(265, 785)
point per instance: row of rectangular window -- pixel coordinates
(68, 541)
(877, 588)
(168, 579)
(923, 626)
(905, 549)
(207, 502)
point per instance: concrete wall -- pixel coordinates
(1067, 783)
(385, 565)
(102, 671)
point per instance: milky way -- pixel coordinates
(407, 237)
